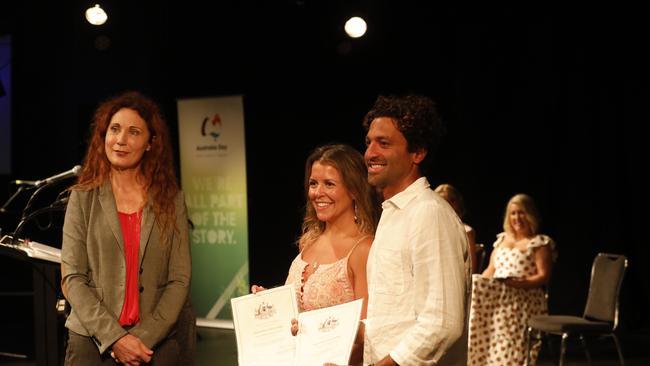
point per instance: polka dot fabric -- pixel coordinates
(498, 313)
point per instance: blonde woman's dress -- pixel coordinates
(498, 312)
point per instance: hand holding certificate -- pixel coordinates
(327, 334)
(263, 330)
(263, 326)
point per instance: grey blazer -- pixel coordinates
(94, 274)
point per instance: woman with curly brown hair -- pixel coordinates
(126, 257)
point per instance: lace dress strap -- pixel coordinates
(355, 245)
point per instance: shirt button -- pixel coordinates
(141, 288)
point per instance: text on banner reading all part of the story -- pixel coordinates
(214, 208)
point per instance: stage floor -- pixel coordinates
(218, 347)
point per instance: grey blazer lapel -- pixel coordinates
(107, 202)
(146, 228)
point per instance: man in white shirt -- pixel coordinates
(418, 267)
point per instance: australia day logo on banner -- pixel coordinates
(211, 132)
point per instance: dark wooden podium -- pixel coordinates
(46, 263)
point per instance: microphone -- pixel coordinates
(61, 176)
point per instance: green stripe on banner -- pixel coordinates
(213, 177)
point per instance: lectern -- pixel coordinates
(46, 263)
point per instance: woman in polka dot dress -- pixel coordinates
(511, 289)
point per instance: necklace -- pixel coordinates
(314, 265)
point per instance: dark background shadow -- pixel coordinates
(550, 101)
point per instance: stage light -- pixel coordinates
(96, 15)
(355, 27)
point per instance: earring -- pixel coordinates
(356, 219)
(148, 148)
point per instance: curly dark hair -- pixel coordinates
(416, 117)
(157, 164)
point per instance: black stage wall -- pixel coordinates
(550, 101)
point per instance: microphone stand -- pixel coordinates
(26, 216)
(20, 189)
(31, 200)
(31, 216)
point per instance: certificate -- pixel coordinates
(263, 326)
(327, 334)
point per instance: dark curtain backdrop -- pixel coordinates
(550, 101)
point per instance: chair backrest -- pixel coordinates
(480, 257)
(607, 274)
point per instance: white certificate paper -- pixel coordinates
(327, 334)
(263, 326)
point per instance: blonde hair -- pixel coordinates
(453, 196)
(530, 209)
(352, 167)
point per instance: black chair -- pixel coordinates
(600, 317)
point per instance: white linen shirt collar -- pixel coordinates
(402, 199)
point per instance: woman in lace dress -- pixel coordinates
(511, 289)
(341, 215)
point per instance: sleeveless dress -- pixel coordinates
(498, 312)
(329, 285)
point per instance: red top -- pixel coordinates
(131, 233)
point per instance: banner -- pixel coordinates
(213, 178)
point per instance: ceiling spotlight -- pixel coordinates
(96, 15)
(355, 27)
